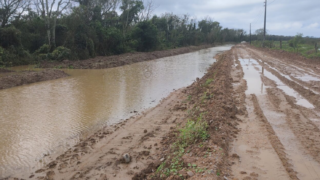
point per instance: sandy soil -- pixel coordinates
(103, 62)
(28, 77)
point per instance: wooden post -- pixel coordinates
(280, 43)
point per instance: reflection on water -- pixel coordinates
(48, 117)
(252, 76)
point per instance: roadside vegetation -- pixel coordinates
(306, 46)
(81, 29)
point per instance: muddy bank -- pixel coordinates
(103, 62)
(28, 77)
(5, 70)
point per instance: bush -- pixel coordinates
(60, 53)
(44, 49)
(10, 37)
(14, 57)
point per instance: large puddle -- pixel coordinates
(48, 117)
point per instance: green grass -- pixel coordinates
(305, 49)
(192, 132)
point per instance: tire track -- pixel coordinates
(275, 142)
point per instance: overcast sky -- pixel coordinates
(284, 17)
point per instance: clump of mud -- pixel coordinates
(28, 77)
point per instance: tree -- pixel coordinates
(130, 10)
(260, 32)
(146, 34)
(294, 43)
(50, 10)
(12, 8)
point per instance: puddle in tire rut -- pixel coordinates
(303, 163)
(50, 117)
(252, 74)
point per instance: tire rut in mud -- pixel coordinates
(306, 93)
(276, 143)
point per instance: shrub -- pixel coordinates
(44, 49)
(60, 53)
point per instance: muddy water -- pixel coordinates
(303, 164)
(48, 117)
(253, 71)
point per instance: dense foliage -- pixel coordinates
(82, 29)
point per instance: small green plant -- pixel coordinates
(194, 131)
(218, 173)
(209, 81)
(71, 67)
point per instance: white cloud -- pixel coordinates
(314, 25)
(284, 17)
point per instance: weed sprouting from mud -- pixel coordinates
(194, 131)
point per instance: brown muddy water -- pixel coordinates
(253, 71)
(49, 117)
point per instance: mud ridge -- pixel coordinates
(28, 77)
(103, 62)
(214, 102)
(276, 143)
(304, 129)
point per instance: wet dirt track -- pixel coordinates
(279, 137)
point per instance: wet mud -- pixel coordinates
(280, 108)
(4, 70)
(28, 77)
(104, 62)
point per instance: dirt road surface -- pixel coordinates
(279, 137)
(262, 113)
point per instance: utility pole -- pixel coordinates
(250, 33)
(265, 22)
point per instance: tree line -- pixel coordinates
(46, 30)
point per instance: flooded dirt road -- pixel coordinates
(49, 117)
(280, 136)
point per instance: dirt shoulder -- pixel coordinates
(103, 62)
(5, 70)
(28, 77)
